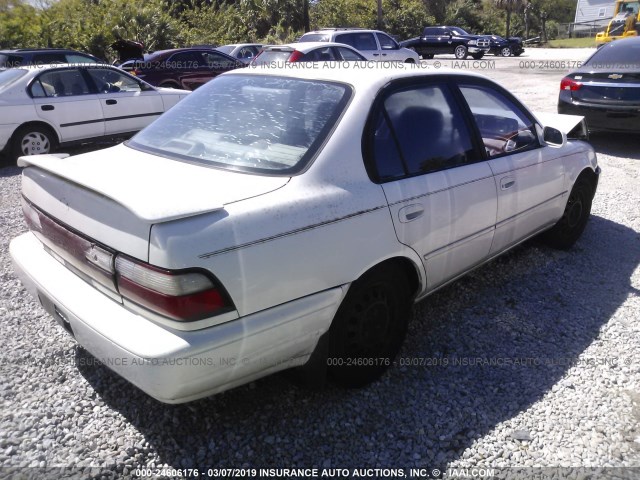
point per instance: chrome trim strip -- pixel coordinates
(462, 241)
(513, 217)
(291, 232)
(438, 191)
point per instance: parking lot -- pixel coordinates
(531, 360)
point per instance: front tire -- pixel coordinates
(32, 140)
(460, 52)
(574, 219)
(369, 327)
(478, 56)
(505, 52)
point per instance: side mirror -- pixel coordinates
(554, 137)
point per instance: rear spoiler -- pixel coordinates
(574, 126)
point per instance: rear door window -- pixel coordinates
(78, 58)
(419, 130)
(45, 58)
(60, 83)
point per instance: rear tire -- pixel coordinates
(478, 56)
(505, 52)
(369, 327)
(427, 56)
(32, 140)
(574, 219)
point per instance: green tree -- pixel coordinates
(19, 25)
(509, 6)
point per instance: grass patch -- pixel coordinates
(585, 42)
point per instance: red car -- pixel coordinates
(186, 68)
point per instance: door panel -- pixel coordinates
(530, 194)
(529, 178)
(455, 229)
(441, 196)
(64, 99)
(126, 107)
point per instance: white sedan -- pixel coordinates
(45, 106)
(290, 217)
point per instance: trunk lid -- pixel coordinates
(114, 196)
(610, 87)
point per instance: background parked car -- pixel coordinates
(444, 40)
(373, 44)
(42, 56)
(186, 68)
(44, 106)
(505, 47)
(307, 52)
(606, 89)
(245, 52)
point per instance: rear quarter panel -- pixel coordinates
(325, 228)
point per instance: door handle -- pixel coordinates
(410, 213)
(111, 101)
(47, 108)
(376, 54)
(507, 182)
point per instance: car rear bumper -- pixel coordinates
(603, 117)
(174, 366)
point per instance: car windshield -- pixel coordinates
(458, 31)
(8, 77)
(616, 55)
(252, 123)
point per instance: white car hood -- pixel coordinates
(155, 189)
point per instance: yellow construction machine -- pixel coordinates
(625, 22)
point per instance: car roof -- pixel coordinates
(305, 47)
(60, 66)
(354, 73)
(36, 50)
(343, 30)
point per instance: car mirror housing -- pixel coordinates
(554, 137)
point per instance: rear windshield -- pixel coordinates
(314, 37)
(272, 57)
(10, 61)
(8, 77)
(616, 55)
(252, 123)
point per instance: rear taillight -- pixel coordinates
(568, 83)
(295, 56)
(182, 296)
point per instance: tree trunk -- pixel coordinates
(305, 15)
(379, 14)
(508, 22)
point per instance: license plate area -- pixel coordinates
(57, 313)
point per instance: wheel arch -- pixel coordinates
(591, 177)
(38, 123)
(413, 273)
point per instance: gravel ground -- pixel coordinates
(531, 360)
